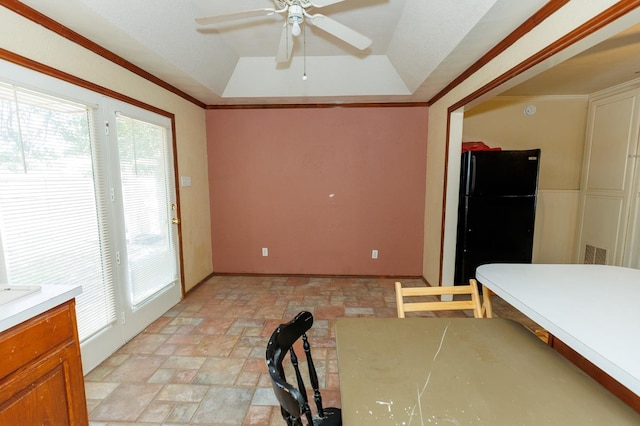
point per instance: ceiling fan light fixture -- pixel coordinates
(295, 18)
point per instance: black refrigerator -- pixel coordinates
(496, 211)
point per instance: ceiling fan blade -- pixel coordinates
(286, 45)
(234, 15)
(323, 3)
(341, 31)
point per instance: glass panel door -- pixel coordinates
(87, 197)
(151, 248)
(149, 265)
(53, 208)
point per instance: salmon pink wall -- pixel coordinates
(320, 188)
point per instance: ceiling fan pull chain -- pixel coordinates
(304, 53)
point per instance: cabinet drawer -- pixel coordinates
(31, 339)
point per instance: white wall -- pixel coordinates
(557, 128)
(556, 226)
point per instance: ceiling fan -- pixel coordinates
(297, 11)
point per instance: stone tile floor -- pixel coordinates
(202, 362)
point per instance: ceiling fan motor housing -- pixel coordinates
(284, 3)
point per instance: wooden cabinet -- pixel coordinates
(41, 381)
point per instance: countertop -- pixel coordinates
(24, 308)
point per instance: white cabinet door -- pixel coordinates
(608, 179)
(632, 248)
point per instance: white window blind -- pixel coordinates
(144, 155)
(52, 201)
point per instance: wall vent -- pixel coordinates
(601, 256)
(595, 255)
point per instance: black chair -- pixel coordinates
(294, 404)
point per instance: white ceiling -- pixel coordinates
(419, 46)
(609, 63)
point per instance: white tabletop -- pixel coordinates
(594, 309)
(27, 307)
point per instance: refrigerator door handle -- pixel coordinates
(472, 184)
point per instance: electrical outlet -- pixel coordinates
(374, 254)
(265, 251)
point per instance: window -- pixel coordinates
(52, 210)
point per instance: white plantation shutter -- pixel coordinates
(52, 201)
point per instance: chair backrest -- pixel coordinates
(293, 401)
(473, 303)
